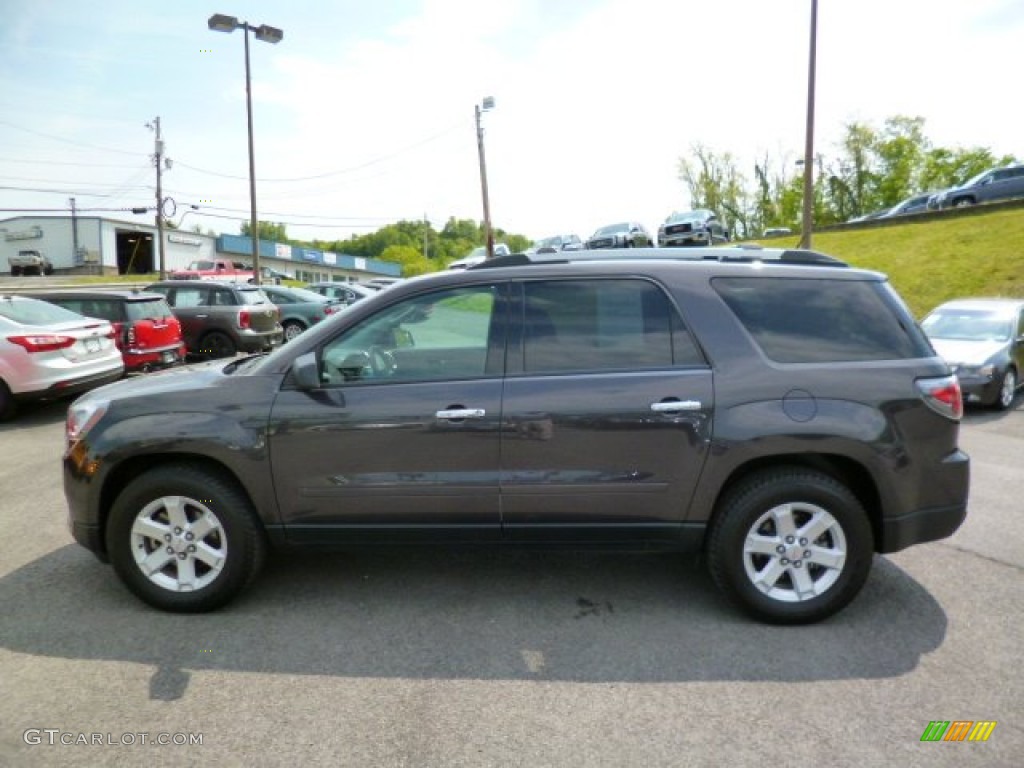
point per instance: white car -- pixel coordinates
(49, 352)
(478, 255)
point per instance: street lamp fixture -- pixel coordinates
(219, 22)
(485, 106)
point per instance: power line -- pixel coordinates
(328, 174)
(63, 162)
(70, 141)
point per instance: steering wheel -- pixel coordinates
(382, 362)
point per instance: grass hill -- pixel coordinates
(933, 259)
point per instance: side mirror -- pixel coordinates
(306, 371)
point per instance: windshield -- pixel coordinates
(612, 229)
(973, 181)
(549, 242)
(149, 309)
(201, 265)
(301, 294)
(968, 325)
(687, 216)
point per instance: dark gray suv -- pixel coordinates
(776, 410)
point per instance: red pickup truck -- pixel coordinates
(215, 269)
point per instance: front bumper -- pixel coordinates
(979, 388)
(685, 238)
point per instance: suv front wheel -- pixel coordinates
(184, 539)
(790, 546)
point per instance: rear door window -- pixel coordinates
(602, 325)
(810, 320)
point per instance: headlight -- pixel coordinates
(82, 417)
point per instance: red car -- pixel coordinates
(145, 331)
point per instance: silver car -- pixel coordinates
(48, 352)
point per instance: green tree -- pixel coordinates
(267, 230)
(411, 259)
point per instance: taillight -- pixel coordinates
(42, 342)
(943, 395)
(243, 319)
(129, 336)
(328, 309)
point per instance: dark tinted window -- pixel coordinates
(149, 309)
(588, 325)
(814, 321)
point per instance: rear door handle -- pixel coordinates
(453, 414)
(671, 406)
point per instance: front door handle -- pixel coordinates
(671, 406)
(453, 414)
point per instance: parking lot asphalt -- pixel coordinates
(509, 660)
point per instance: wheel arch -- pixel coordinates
(843, 469)
(120, 476)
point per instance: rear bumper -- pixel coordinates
(67, 387)
(260, 342)
(920, 527)
(152, 359)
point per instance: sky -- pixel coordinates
(364, 112)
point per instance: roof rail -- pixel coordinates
(744, 253)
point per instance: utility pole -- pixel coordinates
(74, 232)
(488, 104)
(158, 157)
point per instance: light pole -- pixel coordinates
(221, 23)
(808, 213)
(485, 106)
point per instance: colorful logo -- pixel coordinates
(958, 730)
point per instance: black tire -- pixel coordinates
(48, 270)
(217, 344)
(235, 538)
(8, 406)
(15, 271)
(292, 328)
(756, 511)
(1007, 390)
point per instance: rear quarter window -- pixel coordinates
(251, 296)
(807, 320)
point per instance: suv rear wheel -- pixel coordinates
(184, 539)
(790, 546)
(217, 344)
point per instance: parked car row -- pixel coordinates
(993, 185)
(681, 228)
(62, 342)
